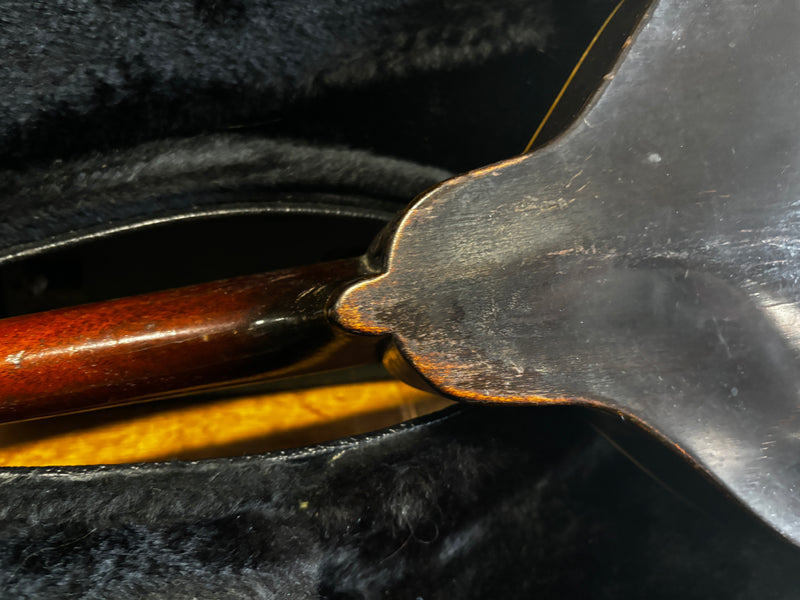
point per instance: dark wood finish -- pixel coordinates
(647, 262)
(125, 350)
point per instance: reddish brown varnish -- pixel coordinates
(125, 350)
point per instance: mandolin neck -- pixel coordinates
(167, 343)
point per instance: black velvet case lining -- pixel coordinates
(124, 111)
(176, 175)
(473, 503)
(89, 73)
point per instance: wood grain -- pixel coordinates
(229, 427)
(131, 349)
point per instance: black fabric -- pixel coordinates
(476, 503)
(92, 91)
(176, 176)
(91, 73)
(455, 83)
(114, 113)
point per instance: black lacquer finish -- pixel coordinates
(647, 262)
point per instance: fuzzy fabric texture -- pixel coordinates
(180, 176)
(476, 502)
(97, 73)
(114, 113)
(455, 83)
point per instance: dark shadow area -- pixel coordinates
(260, 236)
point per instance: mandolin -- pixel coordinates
(645, 263)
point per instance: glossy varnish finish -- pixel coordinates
(134, 348)
(227, 425)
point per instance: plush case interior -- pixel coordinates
(146, 145)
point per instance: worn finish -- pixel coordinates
(647, 262)
(125, 350)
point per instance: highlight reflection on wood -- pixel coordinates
(228, 427)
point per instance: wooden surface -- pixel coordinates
(229, 427)
(116, 352)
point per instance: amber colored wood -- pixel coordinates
(137, 348)
(224, 427)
